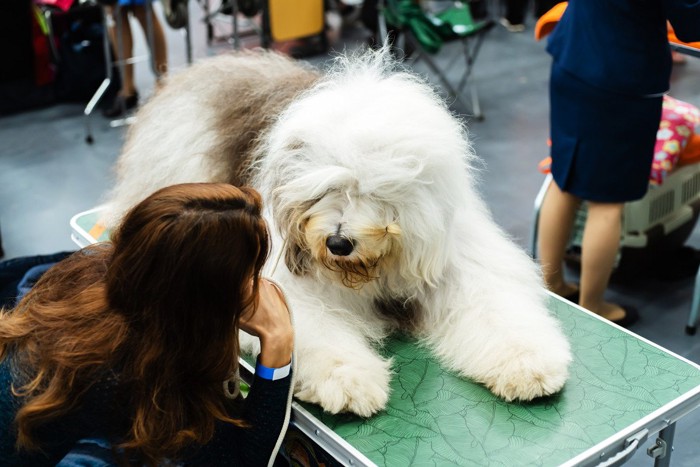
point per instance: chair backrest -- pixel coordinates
(459, 19)
(445, 21)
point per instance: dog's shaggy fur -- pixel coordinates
(369, 182)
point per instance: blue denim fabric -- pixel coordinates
(31, 278)
(89, 453)
(13, 271)
(97, 452)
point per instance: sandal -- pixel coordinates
(631, 316)
(573, 297)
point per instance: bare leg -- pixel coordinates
(159, 48)
(122, 20)
(556, 222)
(601, 241)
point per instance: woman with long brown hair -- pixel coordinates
(136, 341)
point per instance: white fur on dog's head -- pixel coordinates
(373, 155)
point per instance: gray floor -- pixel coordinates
(48, 173)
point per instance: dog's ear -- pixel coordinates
(297, 259)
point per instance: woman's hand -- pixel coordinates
(272, 324)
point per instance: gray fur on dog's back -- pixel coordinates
(203, 124)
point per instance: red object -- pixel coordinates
(62, 4)
(44, 69)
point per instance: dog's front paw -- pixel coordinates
(338, 385)
(529, 375)
(529, 370)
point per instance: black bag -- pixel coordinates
(82, 62)
(78, 56)
(18, 88)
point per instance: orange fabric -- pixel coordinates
(548, 20)
(691, 153)
(672, 38)
(545, 165)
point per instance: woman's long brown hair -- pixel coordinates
(160, 307)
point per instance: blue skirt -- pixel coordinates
(602, 141)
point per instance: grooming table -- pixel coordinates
(622, 390)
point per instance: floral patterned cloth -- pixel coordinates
(679, 122)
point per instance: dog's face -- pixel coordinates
(363, 176)
(353, 236)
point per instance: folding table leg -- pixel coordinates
(661, 451)
(105, 83)
(690, 328)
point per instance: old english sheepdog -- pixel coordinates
(369, 183)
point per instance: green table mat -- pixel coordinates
(435, 418)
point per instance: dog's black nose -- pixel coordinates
(338, 245)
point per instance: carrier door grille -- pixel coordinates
(661, 207)
(691, 188)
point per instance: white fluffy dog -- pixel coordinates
(369, 182)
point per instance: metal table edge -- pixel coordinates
(332, 443)
(80, 236)
(345, 453)
(656, 421)
(686, 49)
(625, 330)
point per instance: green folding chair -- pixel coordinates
(410, 26)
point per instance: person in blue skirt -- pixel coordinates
(611, 67)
